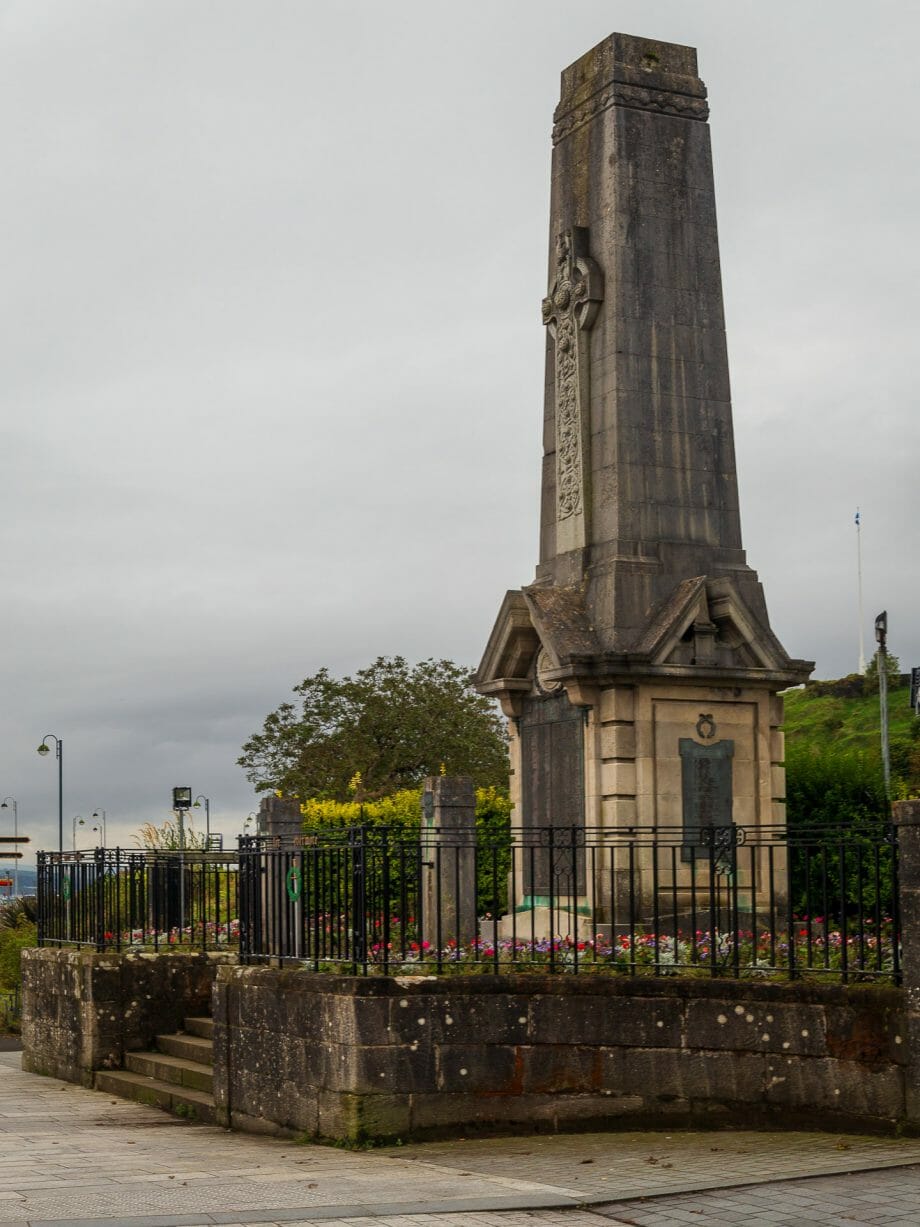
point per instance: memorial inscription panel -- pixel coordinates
(706, 793)
(552, 790)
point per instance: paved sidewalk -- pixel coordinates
(70, 1156)
(860, 1199)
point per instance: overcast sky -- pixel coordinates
(272, 356)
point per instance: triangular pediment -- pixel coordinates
(705, 622)
(551, 620)
(508, 660)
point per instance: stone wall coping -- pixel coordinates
(302, 980)
(906, 813)
(95, 957)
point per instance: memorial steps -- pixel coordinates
(177, 1077)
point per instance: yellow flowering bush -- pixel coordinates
(403, 811)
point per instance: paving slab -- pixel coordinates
(856, 1199)
(70, 1157)
(593, 1166)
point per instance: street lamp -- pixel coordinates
(44, 749)
(5, 804)
(207, 817)
(100, 815)
(77, 822)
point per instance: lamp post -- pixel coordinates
(5, 804)
(44, 749)
(77, 822)
(99, 814)
(207, 817)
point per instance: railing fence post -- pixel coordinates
(99, 888)
(906, 927)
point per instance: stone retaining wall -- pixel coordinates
(354, 1057)
(82, 1011)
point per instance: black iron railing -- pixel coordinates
(116, 898)
(733, 902)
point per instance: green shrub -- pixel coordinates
(828, 785)
(832, 788)
(401, 815)
(12, 910)
(13, 940)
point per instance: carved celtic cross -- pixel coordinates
(568, 310)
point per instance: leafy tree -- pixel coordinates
(381, 731)
(892, 668)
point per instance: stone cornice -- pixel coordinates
(636, 97)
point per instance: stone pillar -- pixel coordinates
(280, 816)
(907, 823)
(279, 923)
(448, 861)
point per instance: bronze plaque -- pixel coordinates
(706, 777)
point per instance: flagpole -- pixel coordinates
(862, 646)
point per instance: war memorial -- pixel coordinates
(393, 989)
(638, 670)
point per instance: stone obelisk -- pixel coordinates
(639, 670)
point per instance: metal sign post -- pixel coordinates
(881, 637)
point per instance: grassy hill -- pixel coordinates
(839, 721)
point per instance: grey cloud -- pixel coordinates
(272, 360)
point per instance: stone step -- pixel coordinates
(191, 1047)
(181, 1101)
(200, 1026)
(177, 1071)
